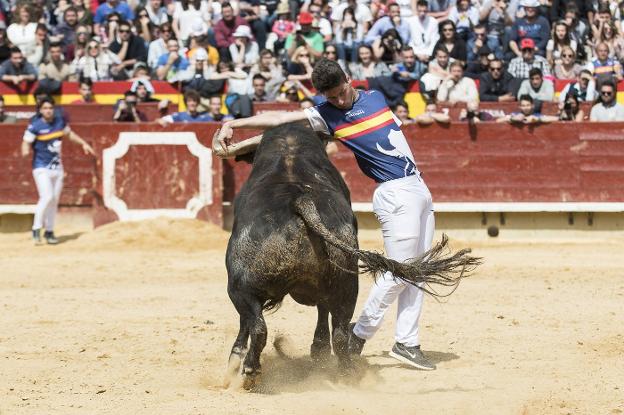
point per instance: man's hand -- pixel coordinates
(88, 149)
(506, 98)
(223, 136)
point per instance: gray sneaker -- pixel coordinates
(413, 356)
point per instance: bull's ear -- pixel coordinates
(247, 157)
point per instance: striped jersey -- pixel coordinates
(46, 141)
(371, 131)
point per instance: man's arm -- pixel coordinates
(265, 120)
(78, 140)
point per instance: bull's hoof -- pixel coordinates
(320, 352)
(251, 378)
(233, 368)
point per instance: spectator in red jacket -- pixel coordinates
(225, 28)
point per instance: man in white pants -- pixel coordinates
(44, 135)
(364, 123)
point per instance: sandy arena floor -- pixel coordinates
(135, 319)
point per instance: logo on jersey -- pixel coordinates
(400, 150)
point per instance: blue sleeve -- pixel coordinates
(184, 63)
(544, 33)
(32, 129)
(176, 116)
(99, 14)
(514, 31)
(128, 12)
(162, 60)
(374, 32)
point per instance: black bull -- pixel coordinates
(294, 233)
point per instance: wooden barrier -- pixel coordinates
(76, 113)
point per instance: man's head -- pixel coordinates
(46, 107)
(401, 111)
(456, 70)
(17, 58)
(305, 20)
(56, 52)
(527, 46)
(214, 105)
(531, 8)
(525, 103)
(191, 100)
(408, 56)
(330, 80)
(496, 68)
(142, 91)
(125, 31)
(227, 12)
(602, 51)
(173, 46)
(536, 78)
(70, 16)
(604, 13)
(584, 78)
(394, 11)
(480, 32)
(607, 92)
(441, 57)
(113, 18)
(85, 89)
(41, 32)
(259, 83)
(266, 58)
(422, 7)
(130, 97)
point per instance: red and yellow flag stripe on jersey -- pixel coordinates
(50, 136)
(364, 125)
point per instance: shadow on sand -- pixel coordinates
(66, 238)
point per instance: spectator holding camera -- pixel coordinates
(305, 36)
(584, 88)
(497, 85)
(367, 66)
(607, 108)
(388, 47)
(361, 11)
(537, 87)
(451, 42)
(571, 108)
(126, 110)
(458, 88)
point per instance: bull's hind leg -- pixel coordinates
(342, 306)
(321, 348)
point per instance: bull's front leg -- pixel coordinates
(321, 347)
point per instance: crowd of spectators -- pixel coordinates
(458, 51)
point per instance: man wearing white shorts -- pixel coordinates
(44, 135)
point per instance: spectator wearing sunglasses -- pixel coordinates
(130, 49)
(560, 40)
(449, 40)
(567, 68)
(607, 108)
(497, 85)
(97, 63)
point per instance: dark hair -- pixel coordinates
(258, 76)
(535, 71)
(1, 98)
(226, 4)
(125, 23)
(264, 52)
(525, 97)
(446, 23)
(608, 82)
(55, 45)
(129, 93)
(41, 26)
(47, 99)
(192, 95)
(422, 3)
(399, 104)
(70, 9)
(604, 8)
(86, 81)
(15, 49)
(113, 14)
(327, 75)
(407, 48)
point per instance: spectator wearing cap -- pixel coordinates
(392, 20)
(305, 36)
(97, 64)
(129, 48)
(475, 68)
(172, 65)
(531, 26)
(55, 67)
(244, 51)
(424, 33)
(607, 108)
(282, 27)
(158, 47)
(604, 67)
(224, 30)
(143, 89)
(497, 85)
(189, 16)
(17, 69)
(410, 68)
(584, 87)
(457, 87)
(537, 87)
(465, 16)
(191, 115)
(21, 32)
(520, 66)
(5, 48)
(109, 7)
(361, 12)
(321, 23)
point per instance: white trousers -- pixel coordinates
(49, 185)
(405, 211)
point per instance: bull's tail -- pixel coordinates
(436, 266)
